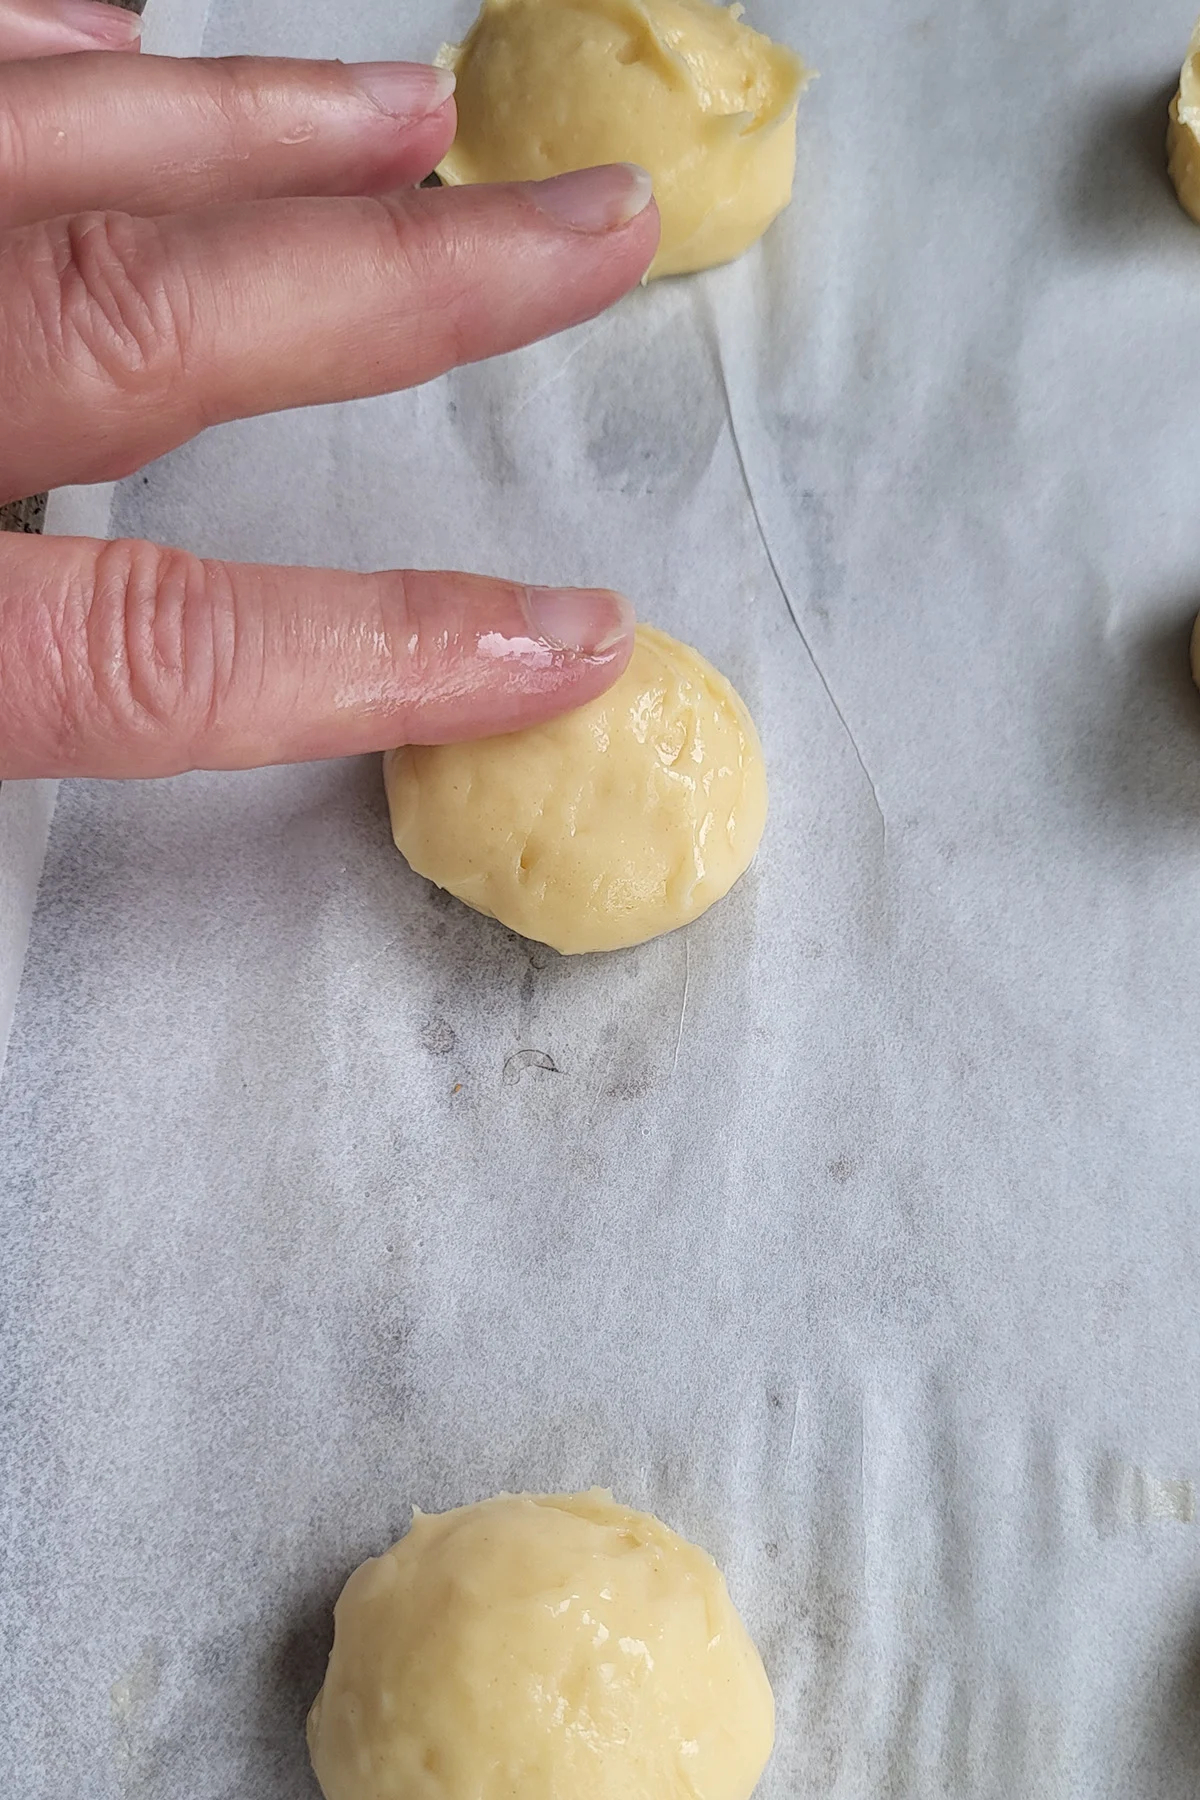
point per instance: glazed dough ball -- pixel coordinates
(680, 86)
(1183, 132)
(605, 827)
(546, 1647)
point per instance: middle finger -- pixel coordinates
(120, 337)
(155, 134)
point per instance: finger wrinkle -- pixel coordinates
(14, 150)
(38, 680)
(254, 110)
(396, 631)
(427, 267)
(136, 677)
(374, 650)
(103, 309)
(239, 105)
(159, 646)
(213, 628)
(124, 309)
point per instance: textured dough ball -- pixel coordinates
(540, 1647)
(680, 86)
(605, 827)
(1183, 132)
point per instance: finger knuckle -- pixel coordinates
(402, 636)
(159, 645)
(238, 105)
(438, 272)
(117, 309)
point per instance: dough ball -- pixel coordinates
(1183, 132)
(606, 826)
(680, 86)
(540, 1647)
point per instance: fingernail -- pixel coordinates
(594, 199)
(586, 621)
(403, 90)
(99, 23)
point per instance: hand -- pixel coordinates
(270, 250)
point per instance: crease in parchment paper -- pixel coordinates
(791, 1449)
(687, 979)
(777, 573)
(587, 341)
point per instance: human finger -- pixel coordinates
(56, 27)
(122, 337)
(156, 134)
(126, 659)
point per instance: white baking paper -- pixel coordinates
(855, 1230)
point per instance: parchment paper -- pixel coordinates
(856, 1230)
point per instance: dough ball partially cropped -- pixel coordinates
(603, 828)
(682, 87)
(540, 1646)
(1183, 132)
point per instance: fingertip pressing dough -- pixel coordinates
(540, 1646)
(1183, 132)
(604, 827)
(682, 87)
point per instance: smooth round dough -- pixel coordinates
(604, 827)
(682, 87)
(540, 1646)
(1183, 132)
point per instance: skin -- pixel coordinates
(188, 242)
